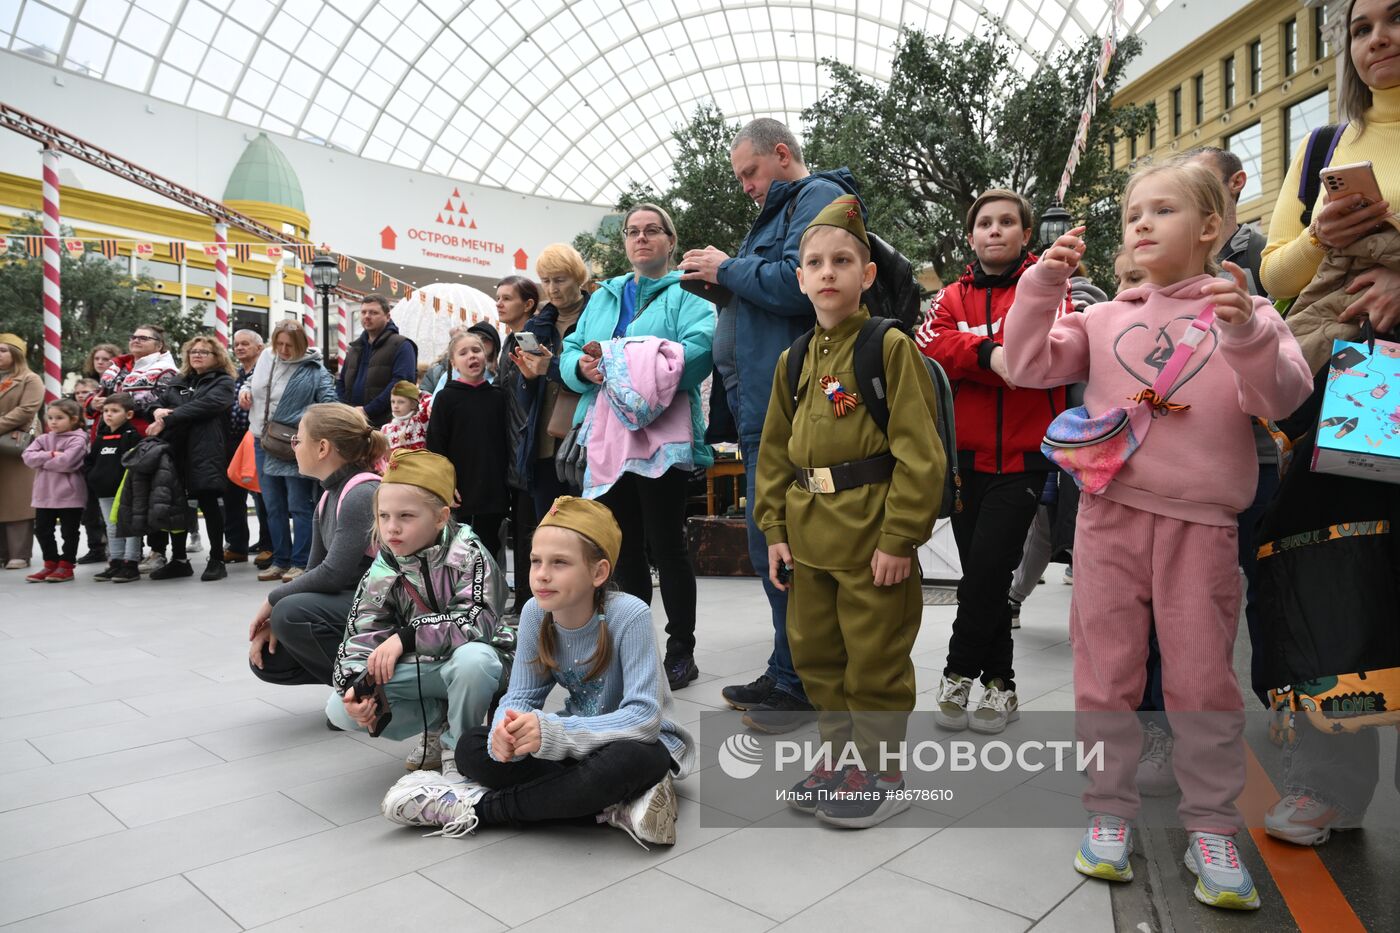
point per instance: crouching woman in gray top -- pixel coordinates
(295, 635)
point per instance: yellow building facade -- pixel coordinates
(1255, 84)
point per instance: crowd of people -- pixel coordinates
(382, 492)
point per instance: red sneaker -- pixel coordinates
(63, 574)
(39, 576)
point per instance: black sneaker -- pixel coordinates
(105, 575)
(681, 671)
(126, 572)
(747, 696)
(781, 712)
(173, 570)
(813, 789)
(862, 801)
(97, 555)
(1014, 607)
(214, 570)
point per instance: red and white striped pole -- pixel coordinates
(223, 304)
(342, 330)
(308, 311)
(53, 293)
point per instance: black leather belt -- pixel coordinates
(845, 476)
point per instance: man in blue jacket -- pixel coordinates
(767, 313)
(375, 362)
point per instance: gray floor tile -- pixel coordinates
(409, 902)
(640, 903)
(259, 738)
(348, 797)
(156, 728)
(20, 756)
(171, 905)
(50, 825)
(1088, 910)
(13, 728)
(71, 874)
(54, 782)
(884, 900)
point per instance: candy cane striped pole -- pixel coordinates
(53, 293)
(308, 311)
(342, 330)
(223, 304)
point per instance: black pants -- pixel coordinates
(522, 523)
(94, 523)
(47, 522)
(309, 628)
(534, 790)
(990, 531)
(651, 513)
(547, 487)
(211, 504)
(236, 520)
(487, 526)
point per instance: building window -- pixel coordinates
(249, 284)
(1290, 46)
(1248, 144)
(1256, 67)
(1199, 83)
(1300, 119)
(1152, 134)
(1227, 81)
(1176, 110)
(1320, 47)
(1132, 149)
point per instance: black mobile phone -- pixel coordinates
(707, 290)
(784, 573)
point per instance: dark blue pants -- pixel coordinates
(780, 666)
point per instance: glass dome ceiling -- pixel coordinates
(569, 99)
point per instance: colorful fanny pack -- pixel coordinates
(1093, 449)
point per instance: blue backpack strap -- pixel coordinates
(1322, 143)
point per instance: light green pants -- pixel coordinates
(456, 694)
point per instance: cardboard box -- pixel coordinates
(1358, 431)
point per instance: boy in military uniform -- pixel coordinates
(844, 506)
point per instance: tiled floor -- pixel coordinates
(148, 781)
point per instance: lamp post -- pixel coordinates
(325, 275)
(1055, 222)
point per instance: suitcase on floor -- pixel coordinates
(719, 547)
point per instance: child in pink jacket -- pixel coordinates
(56, 457)
(1157, 546)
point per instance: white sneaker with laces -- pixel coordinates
(1155, 777)
(648, 817)
(430, 759)
(952, 701)
(1104, 850)
(995, 709)
(424, 799)
(1221, 878)
(194, 543)
(1305, 820)
(153, 562)
(450, 774)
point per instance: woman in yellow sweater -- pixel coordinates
(1328, 607)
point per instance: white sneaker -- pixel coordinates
(193, 542)
(1305, 820)
(426, 760)
(153, 562)
(648, 817)
(995, 709)
(450, 774)
(1104, 850)
(952, 702)
(424, 799)
(1222, 880)
(1155, 777)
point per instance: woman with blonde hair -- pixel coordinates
(193, 417)
(21, 395)
(296, 632)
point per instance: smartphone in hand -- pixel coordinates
(528, 342)
(1356, 178)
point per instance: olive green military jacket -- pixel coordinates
(837, 531)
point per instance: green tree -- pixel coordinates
(704, 199)
(102, 302)
(954, 119)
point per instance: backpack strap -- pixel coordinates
(870, 369)
(1322, 143)
(350, 484)
(797, 354)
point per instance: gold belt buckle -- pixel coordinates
(819, 480)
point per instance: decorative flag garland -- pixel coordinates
(1091, 104)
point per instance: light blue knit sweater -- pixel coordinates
(628, 702)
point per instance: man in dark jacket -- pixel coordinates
(767, 313)
(375, 362)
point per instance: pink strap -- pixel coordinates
(1170, 373)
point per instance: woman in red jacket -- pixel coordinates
(999, 430)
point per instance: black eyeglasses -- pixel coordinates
(650, 232)
(141, 337)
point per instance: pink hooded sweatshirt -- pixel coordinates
(58, 480)
(1198, 465)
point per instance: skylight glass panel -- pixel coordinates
(316, 51)
(171, 84)
(218, 69)
(251, 13)
(42, 27)
(164, 9)
(105, 16)
(88, 49)
(208, 98)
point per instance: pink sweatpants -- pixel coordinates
(1133, 569)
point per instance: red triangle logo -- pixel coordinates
(463, 208)
(455, 194)
(473, 224)
(448, 205)
(439, 218)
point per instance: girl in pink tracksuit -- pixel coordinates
(1157, 546)
(56, 457)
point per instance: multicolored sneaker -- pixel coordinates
(863, 800)
(952, 701)
(1221, 878)
(997, 707)
(1305, 820)
(423, 798)
(1104, 850)
(1155, 777)
(815, 787)
(648, 817)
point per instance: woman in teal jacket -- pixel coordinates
(649, 302)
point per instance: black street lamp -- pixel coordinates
(325, 275)
(1055, 222)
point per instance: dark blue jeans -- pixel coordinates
(289, 501)
(780, 661)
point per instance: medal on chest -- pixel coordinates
(843, 402)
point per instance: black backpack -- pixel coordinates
(894, 294)
(1322, 142)
(870, 388)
